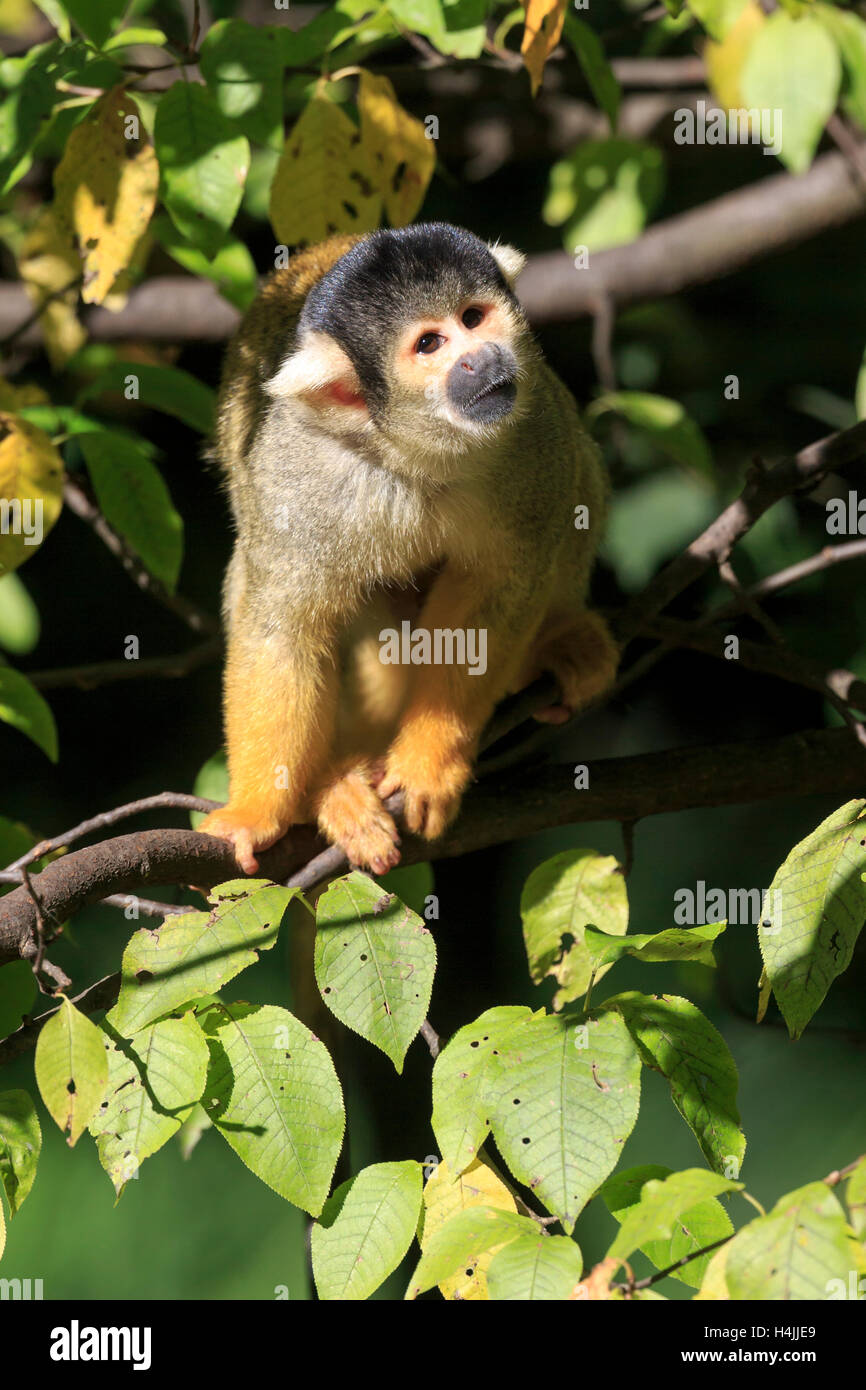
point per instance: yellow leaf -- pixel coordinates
(596, 1285)
(31, 490)
(541, 34)
(48, 265)
(16, 397)
(725, 60)
(105, 189)
(444, 1196)
(396, 147)
(323, 184)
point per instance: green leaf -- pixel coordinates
(212, 782)
(676, 1039)
(54, 12)
(71, 1069)
(134, 498)
(365, 1230)
(169, 389)
(461, 1240)
(662, 1203)
(793, 66)
(195, 953)
(855, 1196)
(23, 707)
(153, 1083)
(95, 18)
(374, 962)
(17, 991)
(676, 943)
(596, 69)
(813, 914)
(134, 36)
(652, 520)
(567, 1098)
(664, 422)
(273, 1094)
(717, 16)
(462, 1077)
(28, 97)
(232, 269)
(560, 899)
(849, 32)
(794, 1251)
(413, 884)
(19, 616)
(604, 191)
(243, 67)
(455, 27)
(203, 163)
(534, 1268)
(693, 1230)
(20, 1143)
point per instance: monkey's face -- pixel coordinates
(413, 336)
(459, 368)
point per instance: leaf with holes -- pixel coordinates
(71, 1069)
(461, 1080)
(273, 1094)
(105, 189)
(676, 1039)
(565, 894)
(195, 953)
(399, 153)
(814, 912)
(795, 1251)
(365, 1229)
(444, 1195)
(693, 1229)
(20, 1143)
(566, 1100)
(324, 183)
(31, 489)
(374, 962)
(154, 1081)
(462, 1240)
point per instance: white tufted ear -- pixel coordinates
(509, 259)
(319, 370)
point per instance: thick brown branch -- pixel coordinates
(708, 242)
(623, 789)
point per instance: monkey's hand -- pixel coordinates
(246, 830)
(433, 778)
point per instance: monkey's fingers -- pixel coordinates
(245, 835)
(553, 714)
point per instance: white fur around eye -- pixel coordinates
(509, 259)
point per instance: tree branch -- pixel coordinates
(495, 812)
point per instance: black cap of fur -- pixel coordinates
(392, 277)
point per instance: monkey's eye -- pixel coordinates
(472, 317)
(429, 342)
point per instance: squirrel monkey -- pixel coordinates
(397, 453)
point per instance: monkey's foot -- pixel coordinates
(433, 786)
(351, 815)
(583, 660)
(246, 832)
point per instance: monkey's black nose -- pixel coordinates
(482, 385)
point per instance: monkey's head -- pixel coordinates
(416, 335)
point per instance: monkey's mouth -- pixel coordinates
(493, 401)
